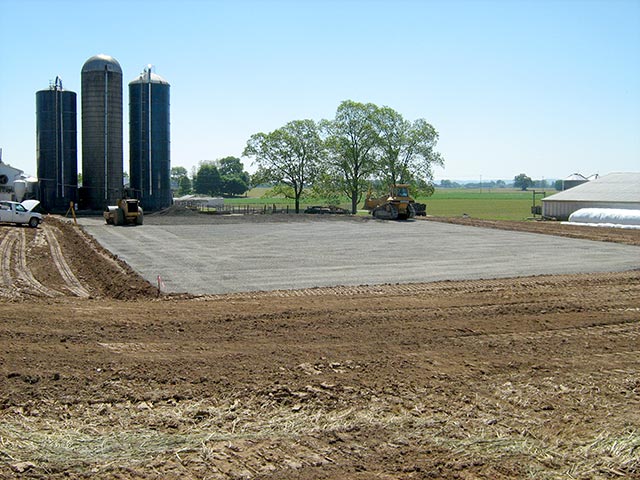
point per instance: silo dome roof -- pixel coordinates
(99, 62)
(148, 77)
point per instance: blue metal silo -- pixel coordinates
(56, 147)
(149, 140)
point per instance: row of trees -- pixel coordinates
(363, 144)
(486, 184)
(521, 181)
(220, 177)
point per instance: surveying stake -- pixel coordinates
(73, 213)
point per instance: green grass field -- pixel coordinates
(492, 204)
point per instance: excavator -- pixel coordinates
(398, 205)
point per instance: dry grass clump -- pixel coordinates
(129, 433)
(214, 432)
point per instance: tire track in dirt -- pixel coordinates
(16, 276)
(8, 289)
(25, 273)
(6, 247)
(72, 283)
(433, 288)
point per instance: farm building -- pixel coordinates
(14, 184)
(8, 175)
(615, 190)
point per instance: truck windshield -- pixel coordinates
(402, 192)
(20, 208)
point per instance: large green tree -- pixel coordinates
(184, 185)
(236, 185)
(288, 156)
(207, 180)
(522, 181)
(230, 166)
(351, 140)
(235, 181)
(406, 150)
(177, 173)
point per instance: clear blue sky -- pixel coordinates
(546, 88)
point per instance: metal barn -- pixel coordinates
(615, 190)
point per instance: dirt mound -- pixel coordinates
(99, 268)
(174, 211)
(59, 259)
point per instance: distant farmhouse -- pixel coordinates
(14, 185)
(615, 190)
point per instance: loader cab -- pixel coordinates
(401, 191)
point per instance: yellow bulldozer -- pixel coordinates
(398, 205)
(127, 212)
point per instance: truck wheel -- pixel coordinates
(33, 222)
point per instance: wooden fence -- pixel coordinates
(250, 209)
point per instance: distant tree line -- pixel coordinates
(484, 184)
(522, 181)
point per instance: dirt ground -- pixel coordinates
(535, 377)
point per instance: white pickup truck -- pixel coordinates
(20, 213)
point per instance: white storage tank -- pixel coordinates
(19, 189)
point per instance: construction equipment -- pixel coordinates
(127, 212)
(398, 205)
